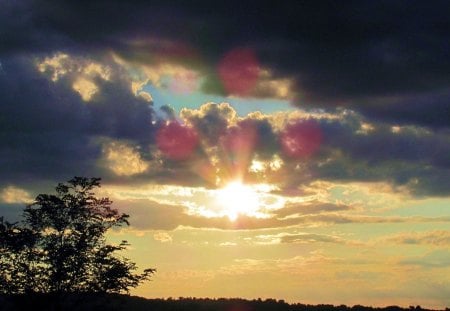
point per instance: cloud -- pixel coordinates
(47, 127)
(169, 111)
(162, 237)
(65, 131)
(87, 89)
(13, 200)
(364, 57)
(284, 265)
(146, 215)
(433, 259)
(385, 93)
(353, 149)
(61, 64)
(149, 214)
(346, 219)
(301, 238)
(123, 158)
(439, 238)
(411, 157)
(424, 109)
(210, 120)
(350, 149)
(79, 98)
(311, 238)
(269, 87)
(160, 71)
(15, 195)
(310, 208)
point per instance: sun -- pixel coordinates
(238, 199)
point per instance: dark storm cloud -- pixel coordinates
(406, 156)
(41, 126)
(47, 131)
(399, 143)
(429, 108)
(117, 113)
(387, 59)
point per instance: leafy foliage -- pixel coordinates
(60, 246)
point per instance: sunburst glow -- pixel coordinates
(238, 199)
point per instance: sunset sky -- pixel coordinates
(297, 151)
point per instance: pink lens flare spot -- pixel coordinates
(183, 83)
(241, 138)
(301, 139)
(239, 71)
(176, 141)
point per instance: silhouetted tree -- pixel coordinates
(60, 246)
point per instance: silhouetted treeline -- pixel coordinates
(97, 301)
(60, 246)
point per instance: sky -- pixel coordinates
(298, 150)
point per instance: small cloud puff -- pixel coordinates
(162, 237)
(14, 195)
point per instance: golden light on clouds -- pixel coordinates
(123, 159)
(94, 69)
(81, 72)
(85, 88)
(225, 110)
(176, 78)
(365, 128)
(12, 195)
(266, 156)
(62, 64)
(57, 64)
(268, 86)
(258, 166)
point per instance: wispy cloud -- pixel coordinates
(302, 238)
(440, 238)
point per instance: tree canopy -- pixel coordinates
(60, 245)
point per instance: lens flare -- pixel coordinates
(301, 139)
(239, 71)
(176, 141)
